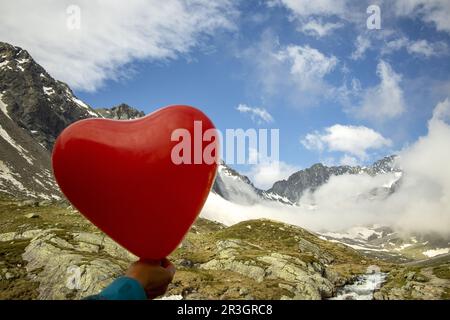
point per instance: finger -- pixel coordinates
(165, 262)
(169, 274)
(151, 294)
(169, 267)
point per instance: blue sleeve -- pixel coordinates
(123, 288)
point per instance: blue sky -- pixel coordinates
(339, 92)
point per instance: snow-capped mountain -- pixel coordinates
(237, 188)
(234, 187)
(310, 179)
(34, 100)
(377, 241)
(34, 109)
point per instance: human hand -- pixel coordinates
(154, 276)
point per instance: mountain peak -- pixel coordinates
(34, 109)
(318, 174)
(34, 100)
(8, 51)
(120, 112)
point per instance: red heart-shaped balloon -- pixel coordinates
(121, 176)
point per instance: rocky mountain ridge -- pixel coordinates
(311, 178)
(34, 109)
(34, 100)
(270, 260)
(238, 188)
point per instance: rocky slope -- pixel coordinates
(423, 280)
(48, 251)
(237, 188)
(34, 109)
(24, 164)
(34, 100)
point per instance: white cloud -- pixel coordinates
(421, 202)
(386, 100)
(317, 28)
(442, 112)
(422, 47)
(352, 140)
(347, 160)
(416, 47)
(259, 115)
(306, 63)
(311, 15)
(112, 34)
(427, 178)
(306, 8)
(266, 173)
(267, 170)
(431, 11)
(296, 74)
(362, 45)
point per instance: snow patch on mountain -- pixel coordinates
(356, 233)
(359, 247)
(277, 197)
(48, 90)
(85, 106)
(238, 189)
(3, 107)
(11, 141)
(436, 252)
(22, 61)
(403, 246)
(7, 174)
(397, 176)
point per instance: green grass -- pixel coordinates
(21, 287)
(442, 272)
(282, 238)
(263, 232)
(13, 217)
(446, 294)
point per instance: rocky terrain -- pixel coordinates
(420, 280)
(39, 104)
(34, 109)
(49, 251)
